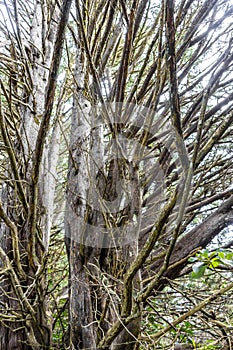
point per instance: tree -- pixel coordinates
(30, 139)
(179, 138)
(150, 163)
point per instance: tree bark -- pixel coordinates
(198, 237)
(96, 267)
(26, 324)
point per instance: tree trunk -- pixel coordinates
(98, 254)
(27, 325)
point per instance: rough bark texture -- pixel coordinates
(198, 237)
(97, 271)
(105, 281)
(29, 325)
(149, 176)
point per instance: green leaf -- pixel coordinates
(198, 271)
(215, 262)
(229, 256)
(221, 255)
(192, 259)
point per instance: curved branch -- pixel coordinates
(199, 236)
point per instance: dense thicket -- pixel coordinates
(116, 137)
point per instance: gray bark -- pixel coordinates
(30, 328)
(97, 268)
